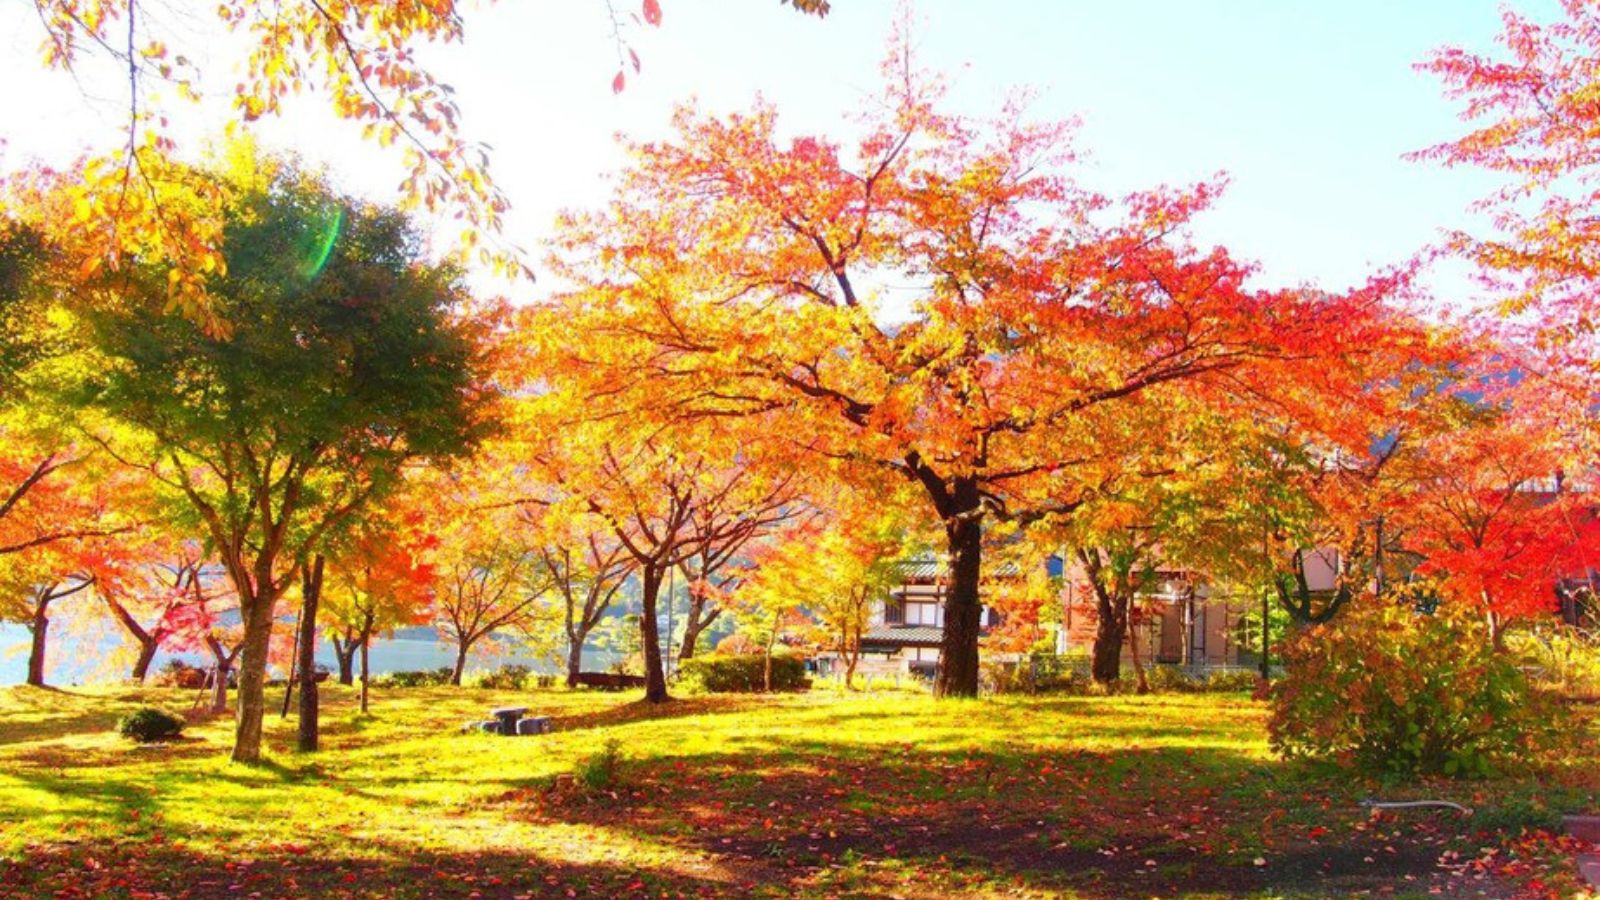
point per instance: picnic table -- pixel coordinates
(511, 721)
(507, 716)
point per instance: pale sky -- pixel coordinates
(1308, 106)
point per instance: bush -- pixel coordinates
(506, 678)
(598, 772)
(424, 678)
(1171, 680)
(738, 644)
(179, 674)
(1565, 659)
(1232, 680)
(1040, 673)
(719, 674)
(1393, 691)
(149, 724)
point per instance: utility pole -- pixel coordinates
(672, 587)
(1266, 565)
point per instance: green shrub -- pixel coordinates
(719, 674)
(1563, 658)
(1040, 673)
(1171, 680)
(1232, 681)
(149, 724)
(506, 678)
(424, 678)
(1389, 690)
(599, 771)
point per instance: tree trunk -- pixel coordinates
(1143, 686)
(222, 665)
(655, 677)
(345, 652)
(1110, 632)
(147, 641)
(766, 674)
(463, 647)
(252, 701)
(695, 626)
(311, 594)
(40, 626)
(574, 661)
(958, 655)
(147, 655)
(1497, 632)
(365, 643)
(850, 652)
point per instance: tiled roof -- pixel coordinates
(928, 568)
(904, 635)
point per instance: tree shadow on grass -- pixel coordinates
(641, 711)
(97, 869)
(1159, 822)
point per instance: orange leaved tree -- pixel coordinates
(1028, 311)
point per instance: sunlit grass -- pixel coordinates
(815, 793)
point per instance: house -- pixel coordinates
(1184, 622)
(907, 627)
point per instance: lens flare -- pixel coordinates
(323, 241)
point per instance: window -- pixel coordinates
(894, 612)
(928, 614)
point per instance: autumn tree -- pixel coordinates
(672, 491)
(1534, 122)
(489, 578)
(380, 577)
(153, 595)
(29, 588)
(1492, 517)
(587, 567)
(837, 568)
(343, 358)
(1038, 310)
(133, 198)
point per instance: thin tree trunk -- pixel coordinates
(1143, 686)
(344, 650)
(463, 647)
(849, 651)
(311, 595)
(1497, 631)
(655, 677)
(766, 674)
(223, 665)
(40, 626)
(958, 656)
(365, 643)
(696, 625)
(147, 641)
(147, 655)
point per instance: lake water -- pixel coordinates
(72, 659)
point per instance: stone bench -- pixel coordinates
(510, 721)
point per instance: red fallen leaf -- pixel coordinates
(618, 83)
(637, 885)
(652, 12)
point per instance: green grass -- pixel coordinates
(809, 795)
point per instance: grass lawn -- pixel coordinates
(812, 795)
